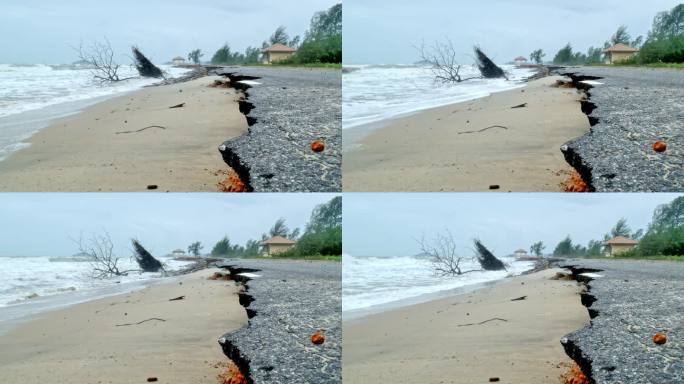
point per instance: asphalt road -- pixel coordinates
(633, 301)
(634, 108)
(292, 300)
(292, 108)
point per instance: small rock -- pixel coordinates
(151, 379)
(493, 379)
(494, 186)
(660, 338)
(152, 186)
(318, 338)
(659, 146)
(317, 146)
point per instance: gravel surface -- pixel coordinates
(292, 300)
(635, 107)
(633, 301)
(292, 108)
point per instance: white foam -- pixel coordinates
(373, 281)
(27, 91)
(248, 274)
(375, 93)
(591, 82)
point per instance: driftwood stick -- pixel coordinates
(140, 322)
(483, 129)
(519, 298)
(142, 129)
(177, 105)
(523, 105)
(177, 298)
(482, 322)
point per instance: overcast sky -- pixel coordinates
(44, 224)
(389, 224)
(385, 31)
(43, 31)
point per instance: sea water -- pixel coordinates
(372, 93)
(30, 285)
(31, 95)
(375, 281)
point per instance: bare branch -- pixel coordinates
(100, 251)
(100, 57)
(441, 57)
(442, 252)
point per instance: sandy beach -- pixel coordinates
(470, 338)
(129, 338)
(133, 142)
(478, 145)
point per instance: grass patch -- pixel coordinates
(651, 65)
(655, 257)
(293, 65)
(337, 258)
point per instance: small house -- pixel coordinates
(520, 60)
(276, 245)
(618, 245)
(619, 52)
(178, 60)
(277, 52)
(178, 253)
(520, 253)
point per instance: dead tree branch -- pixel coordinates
(443, 255)
(483, 129)
(100, 251)
(441, 57)
(483, 322)
(141, 129)
(139, 322)
(100, 58)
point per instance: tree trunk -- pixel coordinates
(487, 67)
(145, 66)
(487, 260)
(146, 261)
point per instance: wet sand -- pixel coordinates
(470, 146)
(117, 145)
(93, 343)
(469, 338)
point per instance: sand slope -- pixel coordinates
(424, 343)
(83, 344)
(88, 151)
(441, 149)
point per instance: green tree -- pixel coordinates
(621, 36)
(252, 248)
(326, 216)
(280, 36)
(323, 234)
(222, 55)
(594, 55)
(279, 229)
(621, 229)
(222, 247)
(564, 55)
(323, 40)
(195, 248)
(537, 248)
(567, 248)
(595, 248)
(537, 56)
(252, 55)
(195, 56)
